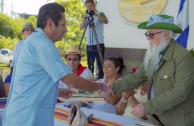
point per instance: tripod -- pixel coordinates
(92, 49)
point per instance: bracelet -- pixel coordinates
(101, 88)
(97, 13)
(123, 100)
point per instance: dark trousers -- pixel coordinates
(92, 54)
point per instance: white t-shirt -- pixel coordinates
(85, 74)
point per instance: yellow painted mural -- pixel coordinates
(136, 11)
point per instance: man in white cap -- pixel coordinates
(168, 68)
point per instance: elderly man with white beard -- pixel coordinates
(169, 70)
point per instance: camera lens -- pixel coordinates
(90, 12)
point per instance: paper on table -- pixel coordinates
(142, 124)
(83, 99)
(94, 97)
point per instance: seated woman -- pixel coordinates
(7, 82)
(130, 99)
(113, 69)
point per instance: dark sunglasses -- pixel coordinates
(74, 59)
(151, 35)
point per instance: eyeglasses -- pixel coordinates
(151, 35)
(74, 59)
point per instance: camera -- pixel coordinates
(90, 12)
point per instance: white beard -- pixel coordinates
(152, 56)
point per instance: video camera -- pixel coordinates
(90, 12)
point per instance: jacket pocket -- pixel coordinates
(166, 80)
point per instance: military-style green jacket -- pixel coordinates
(173, 84)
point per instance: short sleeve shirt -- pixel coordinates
(85, 74)
(17, 47)
(95, 35)
(34, 86)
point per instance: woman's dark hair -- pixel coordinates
(49, 11)
(118, 62)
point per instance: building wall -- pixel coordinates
(132, 57)
(120, 33)
(122, 38)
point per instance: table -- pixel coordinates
(99, 114)
(105, 116)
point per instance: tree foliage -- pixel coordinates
(8, 27)
(74, 10)
(10, 32)
(21, 21)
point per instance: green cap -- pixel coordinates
(162, 21)
(27, 25)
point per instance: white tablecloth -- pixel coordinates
(106, 116)
(97, 114)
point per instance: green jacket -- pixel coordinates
(173, 84)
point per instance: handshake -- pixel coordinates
(65, 92)
(105, 89)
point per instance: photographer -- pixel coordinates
(98, 19)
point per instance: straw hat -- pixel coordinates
(160, 22)
(73, 50)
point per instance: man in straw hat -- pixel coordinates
(73, 58)
(168, 68)
(37, 70)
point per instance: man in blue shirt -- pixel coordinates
(38, 68)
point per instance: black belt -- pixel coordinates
(156, 117)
